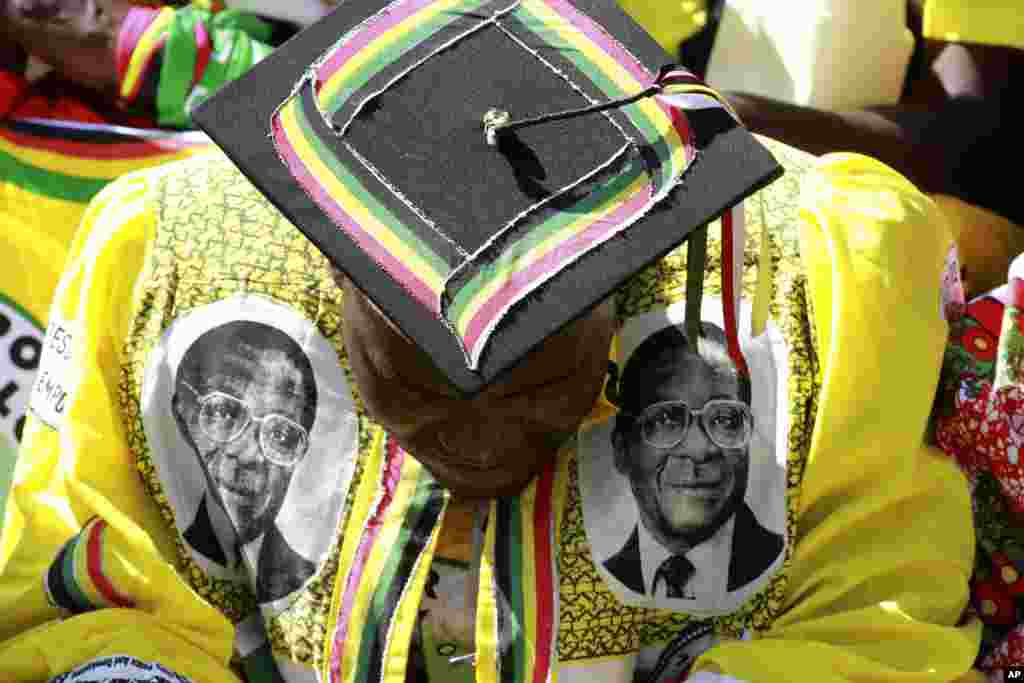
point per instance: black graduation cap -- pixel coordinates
(367, 130)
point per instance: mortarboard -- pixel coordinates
(367, 131)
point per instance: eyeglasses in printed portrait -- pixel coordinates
(245, 399)
(681, 448)
(246, 405)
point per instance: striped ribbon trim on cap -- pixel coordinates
(473, 293)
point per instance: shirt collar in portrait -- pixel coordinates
(710, 561)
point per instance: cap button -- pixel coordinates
(493, 120)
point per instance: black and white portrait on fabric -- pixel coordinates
(253, 433)
(684, 489)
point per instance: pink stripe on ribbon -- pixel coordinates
(544, 567)
(405, 277)
(602, 39)
(391, 16)
(133, 26)
(204, 48)
(613, 48)
(94, 561)
(520, 283)
(395, 457)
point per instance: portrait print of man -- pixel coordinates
(245, 401)
(681, 438)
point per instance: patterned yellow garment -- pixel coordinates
(47, 177)
(109, 510)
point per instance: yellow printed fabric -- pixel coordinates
(669, 23)
(879, 538)
(24, 301)
(84, 472)
(987, 22)
(879, 572)
(48, 175)
(119, 541)
(38, 246)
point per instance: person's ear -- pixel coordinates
(178, 409)
(339, 277)
(620, 450)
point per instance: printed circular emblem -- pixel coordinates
(684, 489)
(21, 345)
(253, 432)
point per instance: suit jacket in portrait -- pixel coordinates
(279, 570)
(754, 548)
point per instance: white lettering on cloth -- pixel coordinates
(708, 677)
(120, 668)
(57, 378)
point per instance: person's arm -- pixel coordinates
(87, 563)
(897, 135)
(884, 550)
(952, 105)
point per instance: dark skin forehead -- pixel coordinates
(245, 364)
(397, 358)
(692, 379)
(682, 375)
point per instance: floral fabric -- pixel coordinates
(981, 424)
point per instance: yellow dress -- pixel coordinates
(47, 177)
(102, 556)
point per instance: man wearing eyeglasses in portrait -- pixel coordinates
(245, 401)
(682, 438)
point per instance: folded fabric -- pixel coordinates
(171, 60)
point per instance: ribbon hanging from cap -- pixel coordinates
(733, 238)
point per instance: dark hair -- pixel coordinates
(663, 348)
(195, 367)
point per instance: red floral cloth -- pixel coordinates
(980, 422)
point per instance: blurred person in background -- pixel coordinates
(946, 130)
